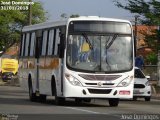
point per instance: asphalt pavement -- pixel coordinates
(14, 103)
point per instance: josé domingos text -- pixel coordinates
(16, 3)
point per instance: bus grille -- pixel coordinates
(100, 77)
(99, 91)
(139, 86)
(103, 84)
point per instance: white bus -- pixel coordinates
(82, 58)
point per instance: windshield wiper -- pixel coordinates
(110, 42)
(108, 45)
(87, 40)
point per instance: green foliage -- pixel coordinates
(149, 11)
(149, 14)
(151, 38)
(12, 21)
(152, 58)
(64, 16)
(74, 16)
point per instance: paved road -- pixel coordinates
(14, 101)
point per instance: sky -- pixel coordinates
(103, 8)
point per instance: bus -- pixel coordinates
(82, 58)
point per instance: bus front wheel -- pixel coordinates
(58, 100)
(113, 102)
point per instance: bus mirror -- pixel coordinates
(61, 46)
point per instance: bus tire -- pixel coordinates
(113, 102)
(42, 98)
(32, 96)
(58, 100)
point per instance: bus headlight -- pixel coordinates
(125, 82)
(72, 80)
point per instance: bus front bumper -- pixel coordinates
(71, 91)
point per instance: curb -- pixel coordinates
(8, 84)
(156, 96)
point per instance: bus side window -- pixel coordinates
(32, 44)
(27, 44)
(38, 47)
(22, 44)
(44, 43)
(50, 42)
(54, 41)
(57, 41)
(61, 44)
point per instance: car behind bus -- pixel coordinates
(9, 68)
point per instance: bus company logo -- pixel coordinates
(99, 83)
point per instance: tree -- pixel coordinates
(12, 21)
(152, 58)
(74, 16)
(149, 14)
(64, 16)
(149, 11)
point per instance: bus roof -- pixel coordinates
(97, 18)
(43, 25)
(64, 22)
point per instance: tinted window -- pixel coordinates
(138, 74)
(57, 41)
(44, 43)
(27, 44)
(100, 27)
(32, 44)
(22, 44)
(50, 42)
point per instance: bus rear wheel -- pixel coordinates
(42, 98)
(113, 102)
(32, 96)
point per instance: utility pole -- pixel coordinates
(135, 35)
(158, 69)
(158, 44)
(30, 14)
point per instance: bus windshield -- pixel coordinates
(97, 52)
